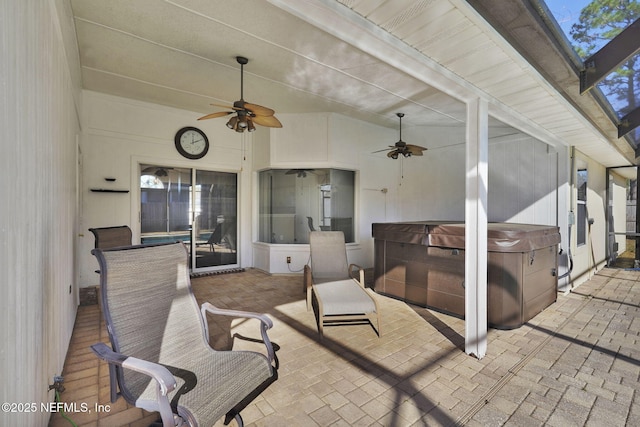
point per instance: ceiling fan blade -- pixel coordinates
(415, 150)
(259, 110)
(268, 121)
(393, 154)
(384, 149)
(216, 115)
(228, 107)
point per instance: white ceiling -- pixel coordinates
(366, 59)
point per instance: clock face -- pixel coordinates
(192, 143)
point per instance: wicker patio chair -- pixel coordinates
(339, 293)
(159, 355)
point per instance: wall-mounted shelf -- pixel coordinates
(106, 190)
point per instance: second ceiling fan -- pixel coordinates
(248, 115)
(401, 147)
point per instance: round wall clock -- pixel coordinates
(192, 143)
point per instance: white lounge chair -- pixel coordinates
(336, 287)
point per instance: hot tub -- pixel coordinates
(423, 263)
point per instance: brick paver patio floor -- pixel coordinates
(576, 363)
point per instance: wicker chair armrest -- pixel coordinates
(265, 323)
(165, 380)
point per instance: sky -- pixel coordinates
(566, 12)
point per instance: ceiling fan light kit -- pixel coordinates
(247, 115)
(401, 147)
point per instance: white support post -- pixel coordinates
(475, 270)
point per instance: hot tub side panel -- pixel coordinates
(504, 290)
(540, 281)
(400, 271)
(399, 260)
(445, 290)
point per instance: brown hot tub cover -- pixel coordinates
(501, 237)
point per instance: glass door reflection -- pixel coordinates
(215, 207)
(164, 204)
(203, 215)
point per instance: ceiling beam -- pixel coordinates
(610, 56)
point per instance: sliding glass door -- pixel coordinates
(215, 217)
(195, 206)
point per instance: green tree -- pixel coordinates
(599, 22)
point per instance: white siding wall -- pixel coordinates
(119, 134)
(432, 187)
(522, 178)
(38, 117)
(522, 181)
